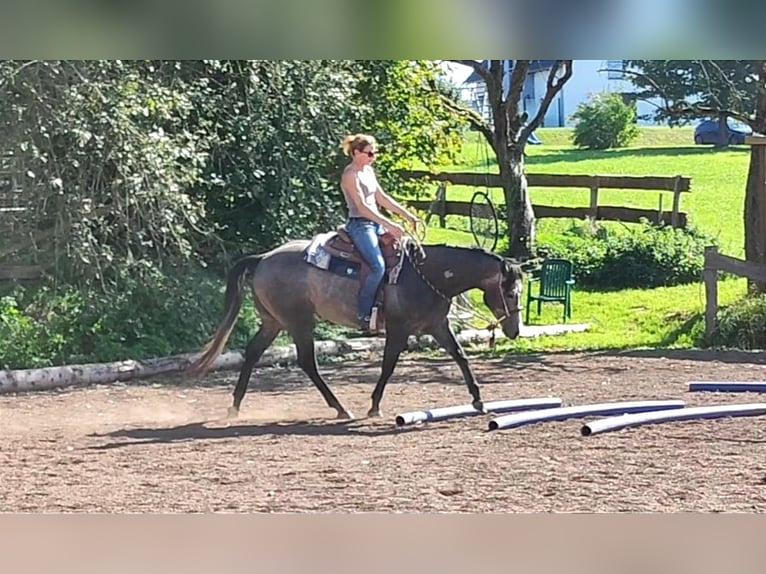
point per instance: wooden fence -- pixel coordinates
(675, 184)
(20, 272)
(715, 262)
(12, 210)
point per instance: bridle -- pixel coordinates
(493, 323)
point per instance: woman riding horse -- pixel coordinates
(365, 223)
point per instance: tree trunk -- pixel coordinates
(755, 192)
(723, 132)
(755, 213)
(13, 381)
(519, 213)
(29, 380)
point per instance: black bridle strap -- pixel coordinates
(493, 325)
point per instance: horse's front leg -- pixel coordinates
(396, 343)
(446, 338)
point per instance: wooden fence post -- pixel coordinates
(659, 211)
(439, 205)
(594, 197)
(710, 277)
(676, 202)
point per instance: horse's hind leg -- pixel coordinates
(446, 338)
(258, 344)
(304, 343)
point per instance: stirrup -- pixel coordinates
(364, 326)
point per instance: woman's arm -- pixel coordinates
(351, 190)
(392, 205)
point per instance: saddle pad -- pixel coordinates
(315, 252)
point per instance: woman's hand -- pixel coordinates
(395, 229)
(413, 221)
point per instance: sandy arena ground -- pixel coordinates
(163, 446)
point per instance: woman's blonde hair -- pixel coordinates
(356, 142)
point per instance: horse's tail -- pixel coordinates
(235, 280)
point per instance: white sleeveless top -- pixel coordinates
(368, 185)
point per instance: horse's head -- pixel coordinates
(502, 294)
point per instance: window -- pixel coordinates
(615, 68)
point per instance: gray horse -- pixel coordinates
(289, 294)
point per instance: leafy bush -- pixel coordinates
(161, 161)
(603, 122)
(742, 325)
(164, 315)
(638, 256)
(145, 319)
(20, 336)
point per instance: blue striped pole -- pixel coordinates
(728, 386)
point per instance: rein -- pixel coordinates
(492, 322)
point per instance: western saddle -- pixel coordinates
(341, 246)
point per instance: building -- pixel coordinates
(588, 77)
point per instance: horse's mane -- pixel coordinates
(509, 265)
(469, 248)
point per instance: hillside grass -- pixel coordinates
(718, 177)
(669, 317)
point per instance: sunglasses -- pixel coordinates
(368, 153)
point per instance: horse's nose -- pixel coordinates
(511, 329)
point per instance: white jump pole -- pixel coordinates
(563, 413)
(442, 413)
(686, 414)
(728, 386)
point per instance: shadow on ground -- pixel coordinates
(214, 430)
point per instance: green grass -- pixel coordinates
(666, 317)
(718, 177)
(663, 317)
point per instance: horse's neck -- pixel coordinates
(454, 270)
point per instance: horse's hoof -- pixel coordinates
(479, 406)
(232, 413)
(373, 413)
(345, 415)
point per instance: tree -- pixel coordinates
(276, 126)
(132, 165)
(507, 135)
(402, 102)
(755, 194)
(103, 162)
(692, 89)
(724, 88)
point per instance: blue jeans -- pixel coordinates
(364, 234)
